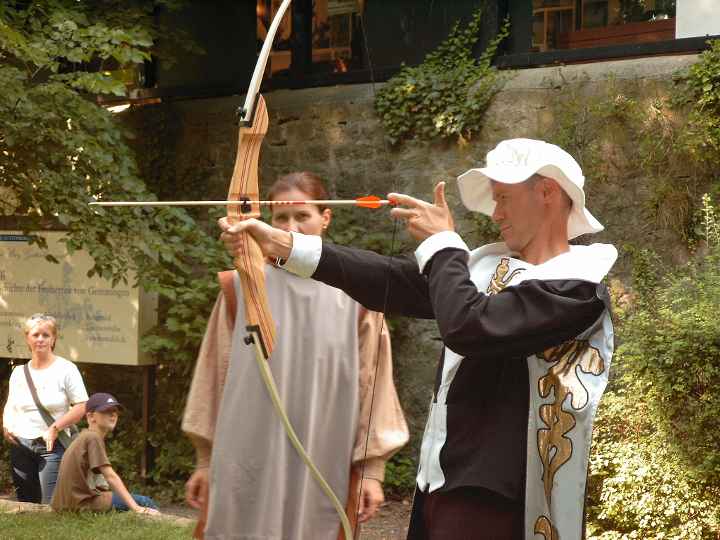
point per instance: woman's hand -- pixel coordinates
(371, 497)
(9, 437)
(197, 487)
(50, 436)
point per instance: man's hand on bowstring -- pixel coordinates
(274, 243)
(423, 219)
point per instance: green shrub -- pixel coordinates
(400, 474)
(638, 485)
(655, 470)
(703, 95)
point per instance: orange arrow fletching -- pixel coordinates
(371, 201)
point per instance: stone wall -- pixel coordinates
(335, 133)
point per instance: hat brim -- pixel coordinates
(106, 406)
(476, 193)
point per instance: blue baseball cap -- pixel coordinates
(101, 401)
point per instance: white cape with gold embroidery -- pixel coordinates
(566, 383)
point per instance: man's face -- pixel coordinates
(519, 212)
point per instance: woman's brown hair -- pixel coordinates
(309, 183)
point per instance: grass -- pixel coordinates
(88, 526)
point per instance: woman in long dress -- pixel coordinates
(329, 355)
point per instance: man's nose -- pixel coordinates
(497, 214)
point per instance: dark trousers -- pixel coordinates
(468, 513)
(35, 470)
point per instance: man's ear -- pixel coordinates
(551, 189)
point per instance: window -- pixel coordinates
(335, 24)
(551, 19)
(574, 24)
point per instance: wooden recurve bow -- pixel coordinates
(251, 262)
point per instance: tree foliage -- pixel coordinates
(59, 150)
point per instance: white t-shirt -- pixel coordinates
(59, 387)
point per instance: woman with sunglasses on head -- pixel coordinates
(328, 353)
(31, 424)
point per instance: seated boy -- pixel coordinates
(86, 478)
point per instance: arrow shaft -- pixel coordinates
(331, 202)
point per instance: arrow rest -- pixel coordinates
(245, 207)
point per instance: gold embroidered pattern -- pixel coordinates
(499, 281)
(544, 527)
(554, 447)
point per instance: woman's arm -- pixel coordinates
(72, 417)
(206, 387)
(376, 443)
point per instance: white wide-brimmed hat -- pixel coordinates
(515, 160)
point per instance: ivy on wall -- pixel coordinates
(447, 95)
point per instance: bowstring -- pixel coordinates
(386, 297)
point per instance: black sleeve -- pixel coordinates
(520, 320)
(391, 284)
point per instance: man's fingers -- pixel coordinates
(403, 213)
(224, 224)
(405, 200)
(237, 227)
(440, 195)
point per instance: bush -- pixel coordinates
(638, 485)
(400, 474)
(656, 458)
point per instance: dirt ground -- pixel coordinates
(390, 524)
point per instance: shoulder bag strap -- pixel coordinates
(62, 436)
(41, 409)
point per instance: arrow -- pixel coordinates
(371, 201)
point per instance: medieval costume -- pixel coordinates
(328, 351)
(527, 349)
(527, 352)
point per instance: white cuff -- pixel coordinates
(305, 254)
(435, 243)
